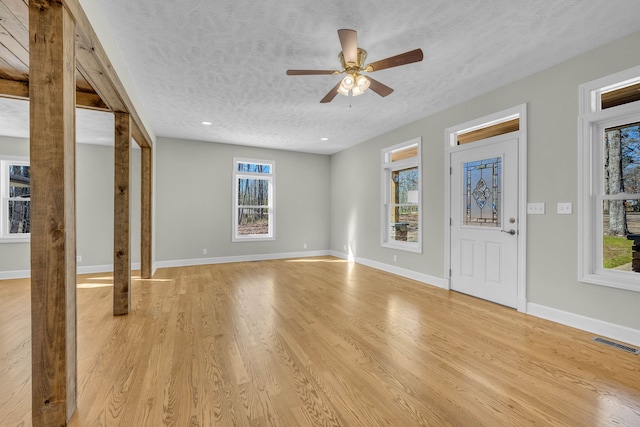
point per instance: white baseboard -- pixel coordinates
(239, 258)
(107, 268)
(409, 274)
(16, 274)
(85, 269)
(598, 327)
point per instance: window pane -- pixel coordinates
(404, 153)
(253, 221)
(622, 159)
(19, 216)
(620, 96)
(489, 131)
(253, 192)
(482, 192)
(404, 185)
(405, 226)
(254, 167)
(621, 223)
(19, 181)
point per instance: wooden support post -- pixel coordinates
(122, 216)
(53, 224)
(146, 212)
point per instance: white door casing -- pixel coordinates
(484, 222)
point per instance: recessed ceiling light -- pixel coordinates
(207, 123)
(324, 139)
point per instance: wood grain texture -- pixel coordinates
(319, 342)
(20, 90)
(146, 213)
(122, 214)
(95, 66)
(53, 223)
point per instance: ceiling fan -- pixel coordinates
(353, 59)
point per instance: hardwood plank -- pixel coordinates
(122, 215)
(53, 226)
(319, 341)
(16, 26)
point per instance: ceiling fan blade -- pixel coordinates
(310, 72)
(332, 94)
(349, 42)
(395, 61)
(379, 88)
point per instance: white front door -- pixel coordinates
(484, 220)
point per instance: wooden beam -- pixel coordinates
(20, 90)
(14, 89)
(122, 216)
(53, 223)
(90, 101)
(96, 68)
(146, 213)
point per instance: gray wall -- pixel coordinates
(194, 186)
(94, 204)
(552, 98)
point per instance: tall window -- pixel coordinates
(15, 194)
(254, 201)
(401, 195)
(609, 144)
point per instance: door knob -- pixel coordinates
(512, 231)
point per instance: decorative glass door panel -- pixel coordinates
(482, 192)
(484, 220)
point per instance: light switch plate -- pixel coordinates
(565, 208)
(535, 208)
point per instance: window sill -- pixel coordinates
(14, 240)
(406, 247)
(252, 239)
(613, 279)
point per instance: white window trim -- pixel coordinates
(386, 169)
(591, 121)
(271, 178)
(5, 237)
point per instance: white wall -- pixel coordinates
(194, 190)
(552, 98)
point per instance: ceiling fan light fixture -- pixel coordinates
(357, 91)
(343, 91)
(348, 82)
(362, 83)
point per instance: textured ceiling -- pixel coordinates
(224, 61)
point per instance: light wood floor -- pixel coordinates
(317, 342)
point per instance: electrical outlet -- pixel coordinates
(395, 258)
(304, 246)
(205, 251)
(79, 258)
(535, 208)
(565, 208)
(345, 248)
